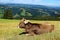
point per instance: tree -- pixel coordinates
(1, 15)
(16, 16)
(8, 14)
(22, 12)
(28, 14)
(1, 12)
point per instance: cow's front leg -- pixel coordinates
(30, 33)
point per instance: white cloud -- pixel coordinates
(37, 2)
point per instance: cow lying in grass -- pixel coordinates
(35, 28)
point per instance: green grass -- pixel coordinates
(9, 31)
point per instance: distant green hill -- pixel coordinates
(31, 11)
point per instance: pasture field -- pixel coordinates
(9, 31)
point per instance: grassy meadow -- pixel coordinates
(9, 31)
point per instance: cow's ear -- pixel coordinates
(26, 21)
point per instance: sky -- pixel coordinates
(35, 2)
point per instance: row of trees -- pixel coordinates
(8, 14)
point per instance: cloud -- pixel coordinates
(26, 1)
(37, 2)
(5, 1)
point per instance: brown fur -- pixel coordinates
(34, 28)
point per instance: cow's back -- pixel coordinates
(46, 28)
(39, 28)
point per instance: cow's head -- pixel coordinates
(22, 23)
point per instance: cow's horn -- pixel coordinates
(26, 21)
(23, 19)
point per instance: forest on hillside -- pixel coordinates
(36, 13)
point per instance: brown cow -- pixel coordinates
(34, 28)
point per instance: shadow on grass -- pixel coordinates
(23, 33)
